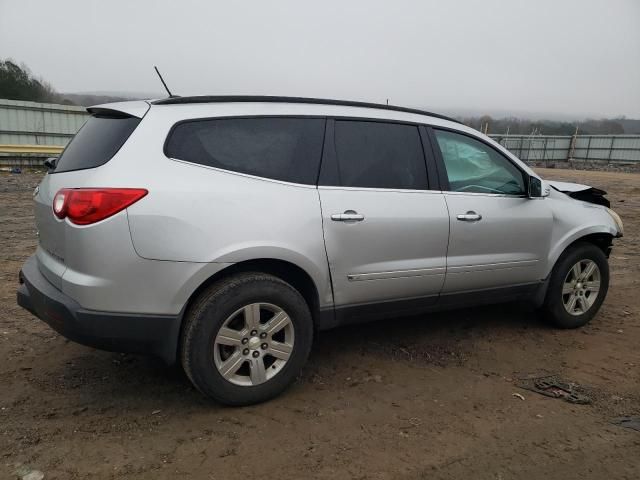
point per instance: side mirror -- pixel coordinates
(50, 163)
(537, 188)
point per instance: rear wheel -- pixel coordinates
(577, 287)
(246, 338)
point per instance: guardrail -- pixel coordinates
(27, 155)
(51, 150)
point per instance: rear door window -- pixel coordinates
(286, 149)
(378, 155)
(96, 142)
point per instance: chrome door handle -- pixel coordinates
(347, 216)
(470, 216)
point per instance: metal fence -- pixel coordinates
(30, 131)
(597, 148)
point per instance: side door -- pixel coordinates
(499, 237)
(385, 231)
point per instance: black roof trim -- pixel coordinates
(277, 99)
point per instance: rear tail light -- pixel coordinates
(84, 206)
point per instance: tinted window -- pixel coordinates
(473, 166)
(96, 142)
(379, 155)
(281, 148)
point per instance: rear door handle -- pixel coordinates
(470, 216)
(347, 216)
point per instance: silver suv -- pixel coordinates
(223, 232)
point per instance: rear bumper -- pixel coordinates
(117, 332)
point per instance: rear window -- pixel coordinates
(96, 142)
(286, 149)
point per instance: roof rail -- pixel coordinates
(277, 99)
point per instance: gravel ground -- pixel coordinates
(428, 397)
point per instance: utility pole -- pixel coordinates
(572, 145)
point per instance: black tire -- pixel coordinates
(208, 314)
(553, 309)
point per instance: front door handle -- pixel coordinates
(470, 216)
(347, 216)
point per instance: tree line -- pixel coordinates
(18, 83)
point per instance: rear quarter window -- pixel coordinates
(287, 149)
(96, 142)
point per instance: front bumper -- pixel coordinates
(116, 332)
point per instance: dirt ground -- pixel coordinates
(418, 398)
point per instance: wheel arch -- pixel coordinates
(291, 273)
(602, 238)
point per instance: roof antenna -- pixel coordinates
(164, 84)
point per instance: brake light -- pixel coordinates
(84, 206)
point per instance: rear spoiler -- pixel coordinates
(137, 108)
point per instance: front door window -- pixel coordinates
(473, 166)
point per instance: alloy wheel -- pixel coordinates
(253, 344)
(581, 287)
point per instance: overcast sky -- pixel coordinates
(565, 57)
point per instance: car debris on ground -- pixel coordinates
(555, 387)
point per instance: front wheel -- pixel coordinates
(246, 338)
(578, 285)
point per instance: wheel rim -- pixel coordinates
(581, 287)
(253, 344)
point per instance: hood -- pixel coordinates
(582, 192)
(567, 187)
